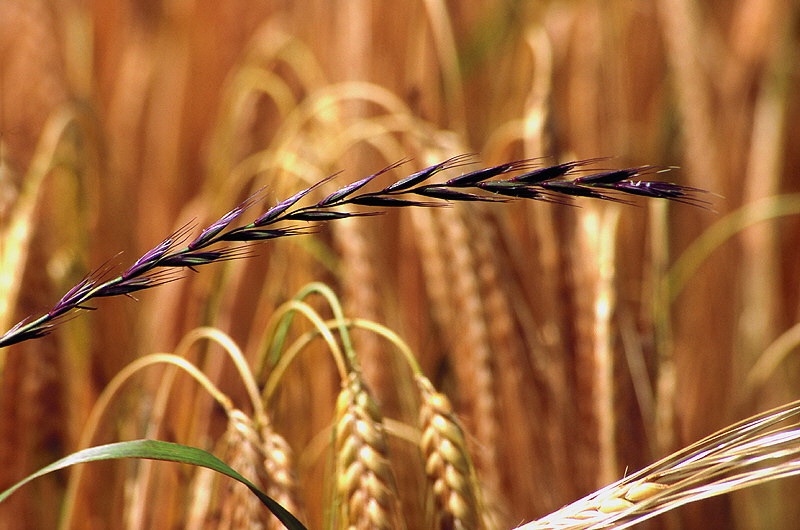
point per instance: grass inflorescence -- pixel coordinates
(162, 264)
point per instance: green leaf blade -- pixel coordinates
(165, 451)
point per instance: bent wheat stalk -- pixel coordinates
(163, 263)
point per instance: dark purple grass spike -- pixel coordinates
(568, 188)
(72, 297)
(275, 212)
(261, 234)
(555, 184)
(11, 337)
(473, 177)
(610, 177)
(148, 261)
(152, 256)
(378, 201)
(428, 172)
(315, 215)
(206, 237)
(552, 172)
(80, 292)
(132, 285)
(663, 190)
(512, 189)
(440, 192)
(524, 191)
(544, 174)
(355, 186)
(197, 258)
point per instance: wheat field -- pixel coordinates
(557, 347)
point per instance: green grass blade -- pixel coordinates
(157, 450)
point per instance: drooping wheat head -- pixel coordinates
(262, 454)
(238, 509)
(365, 482)
(447, 462)
(279, 467)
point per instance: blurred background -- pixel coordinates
(575, 343)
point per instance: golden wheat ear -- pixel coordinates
(278, 463)
(447, 463)
(237, 508)
(265, 457)
(365, 481)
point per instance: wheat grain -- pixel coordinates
(278, 464)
